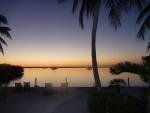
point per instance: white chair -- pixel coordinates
(64, 87)
(48, 88)
(18, 87)
(26, 87)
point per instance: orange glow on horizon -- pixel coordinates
(64, 62)
(67, 64)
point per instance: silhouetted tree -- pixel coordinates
(4, 32)
(92, 8)
(117, 83)
(142, 69)
(145, 17)
(10, 73)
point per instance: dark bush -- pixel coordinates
(9, 73)
(113, 103)
(96, 102)
(125, 104)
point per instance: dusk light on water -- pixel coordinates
(76, 77)
(74, 56)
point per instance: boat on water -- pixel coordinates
(89, 68)
(53, 68)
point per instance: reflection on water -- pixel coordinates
(76, 77)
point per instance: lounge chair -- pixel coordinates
(18, 87)
(26, 87)
(48, 88)
(64, 87)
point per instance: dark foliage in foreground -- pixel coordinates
(96, 102)
(126, 104)
(110, 102)
(9, 73)
(117, 83)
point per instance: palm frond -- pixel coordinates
(1, 49)
(5, 31)
(146, 62)
(74, 7)
(3, 19)
(137, 3)
(143, 14)
(120, 67)
(144, 79)
(146, 59)
(117, 82)
(148, 47)
(115, 8)
(145, 26)
(87, 7)
(81, 15)
(142, 69)
(90, 7)
(2, 41)
(134, 68)
(146, 65)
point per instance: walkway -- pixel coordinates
(73, 102)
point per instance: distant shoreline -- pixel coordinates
(64, 67)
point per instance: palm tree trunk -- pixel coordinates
(94, 60)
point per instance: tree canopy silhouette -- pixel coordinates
(142, 69)
(10, 73)
(144, 18)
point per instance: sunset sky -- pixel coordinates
(46, 33)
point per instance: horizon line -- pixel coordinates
(63, 66)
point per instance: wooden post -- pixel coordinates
(66, 80)
(35, 81)
(128, 82)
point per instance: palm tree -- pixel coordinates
(92, 8)
(142, 69)
(4, 32)
(145, 17)
(117, 83)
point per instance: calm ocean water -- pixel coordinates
(76, 77)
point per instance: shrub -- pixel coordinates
(99, 102)
(96, 102)
(125, 104)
